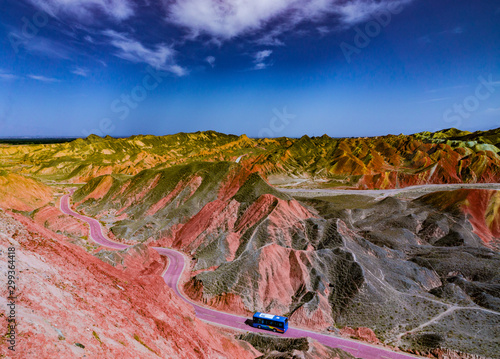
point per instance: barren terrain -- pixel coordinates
(389, 239)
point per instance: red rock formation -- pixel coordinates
(22, 193)
(481, 206)
(233, 183)
(227, 302)
(136, 260)
(52, 218)
(137, 195)
(282, 271)
(66, 296)
(449, 156)
(101, 189)
(214, 215)
(192, 184)
(219, 215)
(364, 334)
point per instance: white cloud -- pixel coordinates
(43, 78)
(80, 71)
(162, 57)
(261, 66)
(262, 55)
(40, 45)
(177, 70)
(227, 19)
(85, 9)
(210, 60)
(438, 99)
(492, 111)
(430, 38)
(458, 30)
(356, 11)
(441, 89)
(323, 30)
(260, 59)
(271, 38)
(7, 76)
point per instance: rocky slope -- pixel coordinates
(449, 156)
(408, 270)
(22, 193)
(422, 274)
(64, 294)
(481, 207)
(52, 218)
(71, 304)
(426, 274)
(278, 348)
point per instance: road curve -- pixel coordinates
(174, 271)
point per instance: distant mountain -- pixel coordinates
(448, 156)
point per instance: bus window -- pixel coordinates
(270, 322)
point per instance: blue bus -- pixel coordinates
(270, 322)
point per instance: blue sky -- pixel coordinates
(260, 67)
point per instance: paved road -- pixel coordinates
(392, 191)
(173, 273)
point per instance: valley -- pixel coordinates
(393, 240)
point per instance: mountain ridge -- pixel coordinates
(392, 161)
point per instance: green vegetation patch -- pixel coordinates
(254, 187)
(136, 337)
(274, 348)
(349, 201)
(267, 343)
(96, 336)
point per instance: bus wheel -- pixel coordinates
(259, 327)
(274, 330)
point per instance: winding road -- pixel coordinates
(172, 276)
